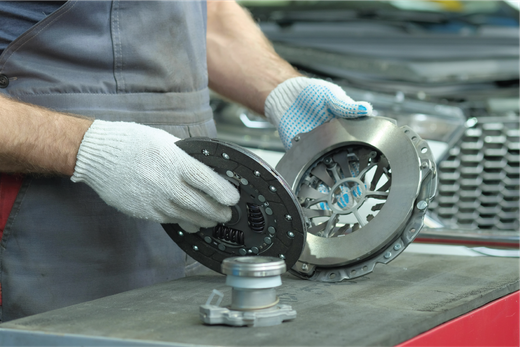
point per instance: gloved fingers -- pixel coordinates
(203, 178)
(354, 168)
(186, 217)
(336, 91)
(345, 200)
(199, 202)
(343, 109)
(189, 227)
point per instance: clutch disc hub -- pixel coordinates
(267, 220)
(364, 186)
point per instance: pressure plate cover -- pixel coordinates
(364, 186)
(267, 220)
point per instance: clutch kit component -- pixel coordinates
(253, 299)
(364, 186)
(267, 220)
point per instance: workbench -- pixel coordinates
(396, 302)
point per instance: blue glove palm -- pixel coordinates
(301, 104)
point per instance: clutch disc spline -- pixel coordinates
(266, 221)
(364, 186)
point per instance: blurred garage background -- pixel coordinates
(448, 69)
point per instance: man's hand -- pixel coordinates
(301, 104)
(244, 67)
(34, 139)
(242, 64)
(141, 171)
(135, 168)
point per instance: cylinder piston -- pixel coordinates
(253, 298)
(253, 280)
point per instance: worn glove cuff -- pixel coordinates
(142, 172)
(99, 150)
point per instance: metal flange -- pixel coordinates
(364, 186)
(267, 220)
(253, 300)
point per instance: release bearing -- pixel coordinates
(254, 300)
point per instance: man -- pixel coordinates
(87, 224)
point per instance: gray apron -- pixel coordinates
(115, 60)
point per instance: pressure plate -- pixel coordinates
(267, 220)
(364, 186)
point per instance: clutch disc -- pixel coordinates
(364, 186)
(267, 220)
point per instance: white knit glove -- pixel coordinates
(301, 104)
(140, 171)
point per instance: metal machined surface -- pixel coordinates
(253, 266)
(246, 299)
(267, 221)
(364, 186)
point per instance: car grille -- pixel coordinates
(479, 179)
